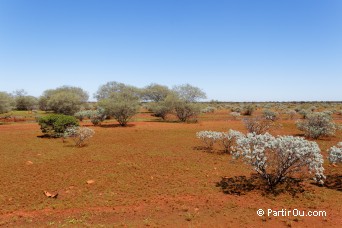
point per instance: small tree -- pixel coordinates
(64, 100)
(6, 102)
(317, 125)
(160, 109)
(335, 154)
(155, 92)
(25, 102)
(122, 106)
(186, 111)
(275, 158)
(105, 91)
(164, 107)
(189, 93)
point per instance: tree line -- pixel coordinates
(118, 100)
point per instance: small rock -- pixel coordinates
(90, 181)
(29, 163)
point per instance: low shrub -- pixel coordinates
(186, 111)
(208, 109)
(335, 153)
(247, 110)
(275, 158)
(55, 124)
(257, 125)
(291, 113)
(235, 115)
(270, 115)
(209, 137)
(79, 134)
(81, 115)
(228, 140)
(304, 113)
(317, 124)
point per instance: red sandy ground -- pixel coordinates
(148, 174)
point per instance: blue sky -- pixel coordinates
(246, 50)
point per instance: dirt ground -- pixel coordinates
(150, 173)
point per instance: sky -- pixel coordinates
(234, 50)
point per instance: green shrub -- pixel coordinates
(186, 111)
(55, 124)
(247, 110)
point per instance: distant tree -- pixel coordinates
(106, 90)
(43, 100)
(6, 102)
(23, 101)
(164, 107)
(65, 100)
(96, 116)
(155, 92)
(186, 111)
(189, 93)
(121, 105)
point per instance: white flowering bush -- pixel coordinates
(335, 154)
(208, 109)
(275, 158)
(209, 137)
(317, 124)
(79, 134)
(235, 115)
(228, 140)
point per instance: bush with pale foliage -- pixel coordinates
(79, 134)
(209, 137)
(258, 125)
(270, 115)
(335, 154)
(228, 140)
(316, 125)
(235, 115)
(275, 158)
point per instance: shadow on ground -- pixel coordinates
(241, 185)
(332, 182)
(115, 125)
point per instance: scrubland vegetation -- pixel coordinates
(158, 156)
